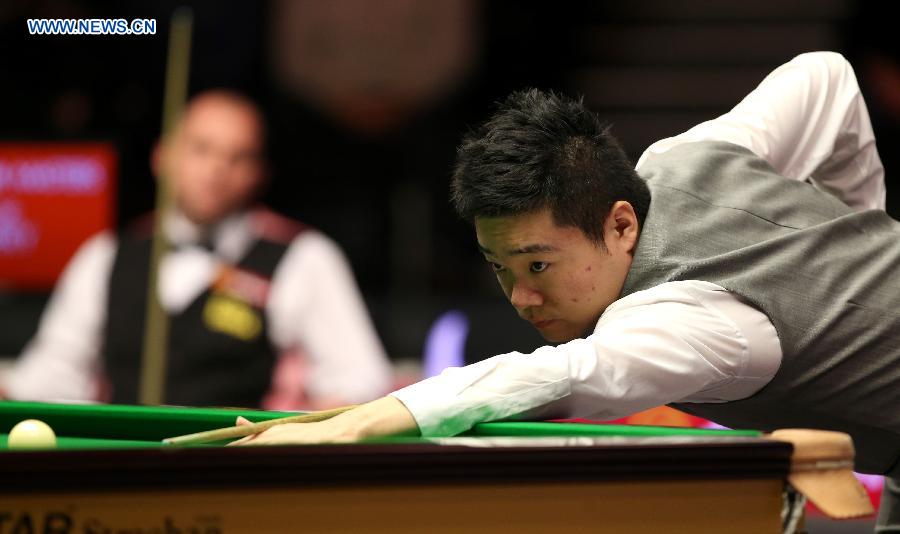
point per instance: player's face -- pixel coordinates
(555, 276)
(216, 161)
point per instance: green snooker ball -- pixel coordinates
(31, 434)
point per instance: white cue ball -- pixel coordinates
(31, 434)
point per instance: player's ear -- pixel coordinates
(156, 158)
(622, 225)
(164, 151)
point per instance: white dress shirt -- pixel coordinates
(313, 305)
(686, 341)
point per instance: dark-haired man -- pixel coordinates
(747, 272)
(263, 311)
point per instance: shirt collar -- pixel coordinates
(230, 238)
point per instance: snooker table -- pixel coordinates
(110, 474)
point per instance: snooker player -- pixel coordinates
(744, 271)
(263, 311)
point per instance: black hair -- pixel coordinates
(545, 150)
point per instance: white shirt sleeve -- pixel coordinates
(688, 341)
(61, 362)
(314, 304)
(809, 121)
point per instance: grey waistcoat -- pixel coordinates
(827, 277)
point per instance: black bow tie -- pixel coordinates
(207, 244)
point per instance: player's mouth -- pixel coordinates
(542, 324)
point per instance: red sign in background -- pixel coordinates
(53, 196)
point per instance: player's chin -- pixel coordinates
(558, 333)
(208, 211)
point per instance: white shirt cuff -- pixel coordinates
(496, 388)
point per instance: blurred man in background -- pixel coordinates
(263, 311)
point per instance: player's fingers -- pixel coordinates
(243, 421)
(243, 441)
(254, 443)
(276, 435)
(263, 438)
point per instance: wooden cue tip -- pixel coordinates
(182, 12)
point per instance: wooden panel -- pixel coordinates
(672, 507)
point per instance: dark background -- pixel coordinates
(651, 67)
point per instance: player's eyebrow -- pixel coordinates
(527, 249)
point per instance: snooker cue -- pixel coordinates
(156, 323)
(240, 431)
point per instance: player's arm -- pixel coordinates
(809, 121)
(682, 341)
(316, 305)
(60, 362)
(677, 342)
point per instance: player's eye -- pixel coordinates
(539, 266)
(496, 267)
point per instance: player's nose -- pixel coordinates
(522, 297)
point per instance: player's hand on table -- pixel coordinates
(296, 433)
(386, 416)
